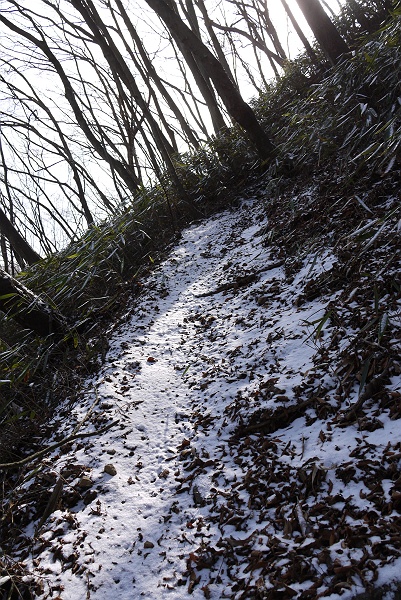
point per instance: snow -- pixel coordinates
(183, 371)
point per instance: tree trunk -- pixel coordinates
(309, 50)
(29, 311)
(121, 73)
(200, 75)
(17, 242)
(324, 30)
(214, 39)
(265, 22)
(152, 73)
(328, 8)
(238, 109)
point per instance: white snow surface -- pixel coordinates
(177, 364)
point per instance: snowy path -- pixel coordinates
(138, 536)
(148, 359)
(183, 512)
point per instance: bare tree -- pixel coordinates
(253, 38)
(199, 73)
(213, 38)
(148, 72)
(256, 16)
(108, 113)
(123, 170)
(17, 241)
(8, 230)
(238, 109)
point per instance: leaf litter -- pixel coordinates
(254, 399)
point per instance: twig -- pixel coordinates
(52, 504)
(88, 414)
(70, 438)
(371, 389)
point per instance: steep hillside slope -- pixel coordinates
(244, 429)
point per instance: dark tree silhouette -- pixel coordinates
(29, 311)
(238, 109)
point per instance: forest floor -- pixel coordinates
(248, 416)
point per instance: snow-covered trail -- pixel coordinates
(135, 537)
(142, 521)
(164, 504)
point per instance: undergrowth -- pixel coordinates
(351, 116)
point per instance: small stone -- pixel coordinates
(89, 497)
(111, 451)
(85, 482)
(148, 545)
(110, 469)
(198, 498)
